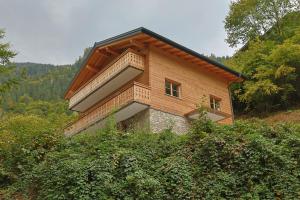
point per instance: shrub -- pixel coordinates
(24, 141)
(248, 160)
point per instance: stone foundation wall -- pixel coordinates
(156, 121)
(160, 121)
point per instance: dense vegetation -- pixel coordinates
(250, 160)
(271, 63)
(44, 82)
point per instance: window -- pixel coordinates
(215, 103)
(168, 88)
(172, 88)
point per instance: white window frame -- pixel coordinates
(215, 103)
(171, 88)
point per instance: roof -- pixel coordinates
(159, 37)
(168, 41)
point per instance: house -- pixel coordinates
(148, 81)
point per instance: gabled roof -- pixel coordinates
(141, 32)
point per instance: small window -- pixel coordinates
(215, 103)
(172, 88)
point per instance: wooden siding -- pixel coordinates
(196, 85)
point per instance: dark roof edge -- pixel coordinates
(120, 37)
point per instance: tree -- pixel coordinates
(248, 19)
(273, 72)
(6, 54)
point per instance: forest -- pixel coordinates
(251, 159)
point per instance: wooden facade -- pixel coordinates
(153, 59)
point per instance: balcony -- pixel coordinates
(125, 105)
(125, 68)
(211, 114)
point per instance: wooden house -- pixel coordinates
(148, 81)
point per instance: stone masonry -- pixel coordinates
(160, 121)
(156, 121)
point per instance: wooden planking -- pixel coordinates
(91, 68)
(172, 50)
(195, 82)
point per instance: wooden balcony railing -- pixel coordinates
(128, 58)
(136, 93)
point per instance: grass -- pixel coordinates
(284, 116)
(291, 116)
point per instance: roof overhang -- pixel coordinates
(106, 50)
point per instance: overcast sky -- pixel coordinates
(57, 31)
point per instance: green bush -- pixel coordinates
(248, 160)
(24, 142)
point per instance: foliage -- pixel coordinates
(249, 160)
(24, 140)
(248, 19)
(6, 54)
(220, 59)
(270, 58)
(44, 82)
(28, 131)
(273, 72)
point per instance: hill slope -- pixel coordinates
(44, 82)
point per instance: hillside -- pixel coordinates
(41, 82)
(290, 116)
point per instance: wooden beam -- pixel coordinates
(173, 50)
(192, 59)
(98, 51)
(89, 67)
(187, 56)
(201, 62)
(166, 47)
(179, 53)
(213, 69)
(159, 45)
(111, 51)
(156, 43)
(150, 40)
(137, 44)
(125, 45)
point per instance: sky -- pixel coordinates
(57, 31)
